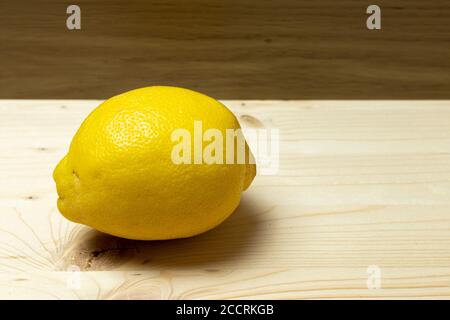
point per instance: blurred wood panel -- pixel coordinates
(252, 49)
(360, 183)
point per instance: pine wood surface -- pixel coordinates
(360, 183)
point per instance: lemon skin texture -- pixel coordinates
(118, 176)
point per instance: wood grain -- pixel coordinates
(360, 183)
(240, 49)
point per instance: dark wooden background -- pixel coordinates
(234, 49)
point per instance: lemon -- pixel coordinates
(119, 176)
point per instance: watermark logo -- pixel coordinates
(215, 146)
(374, 278)
(74, 278)
(266, 148)
(374, 20)
(73, 21)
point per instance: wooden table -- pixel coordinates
(234, 49)
(360, 208)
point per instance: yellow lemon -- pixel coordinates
(120, 176)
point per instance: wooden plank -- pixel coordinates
(360, 183)
(244, 49)
(309, 283)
